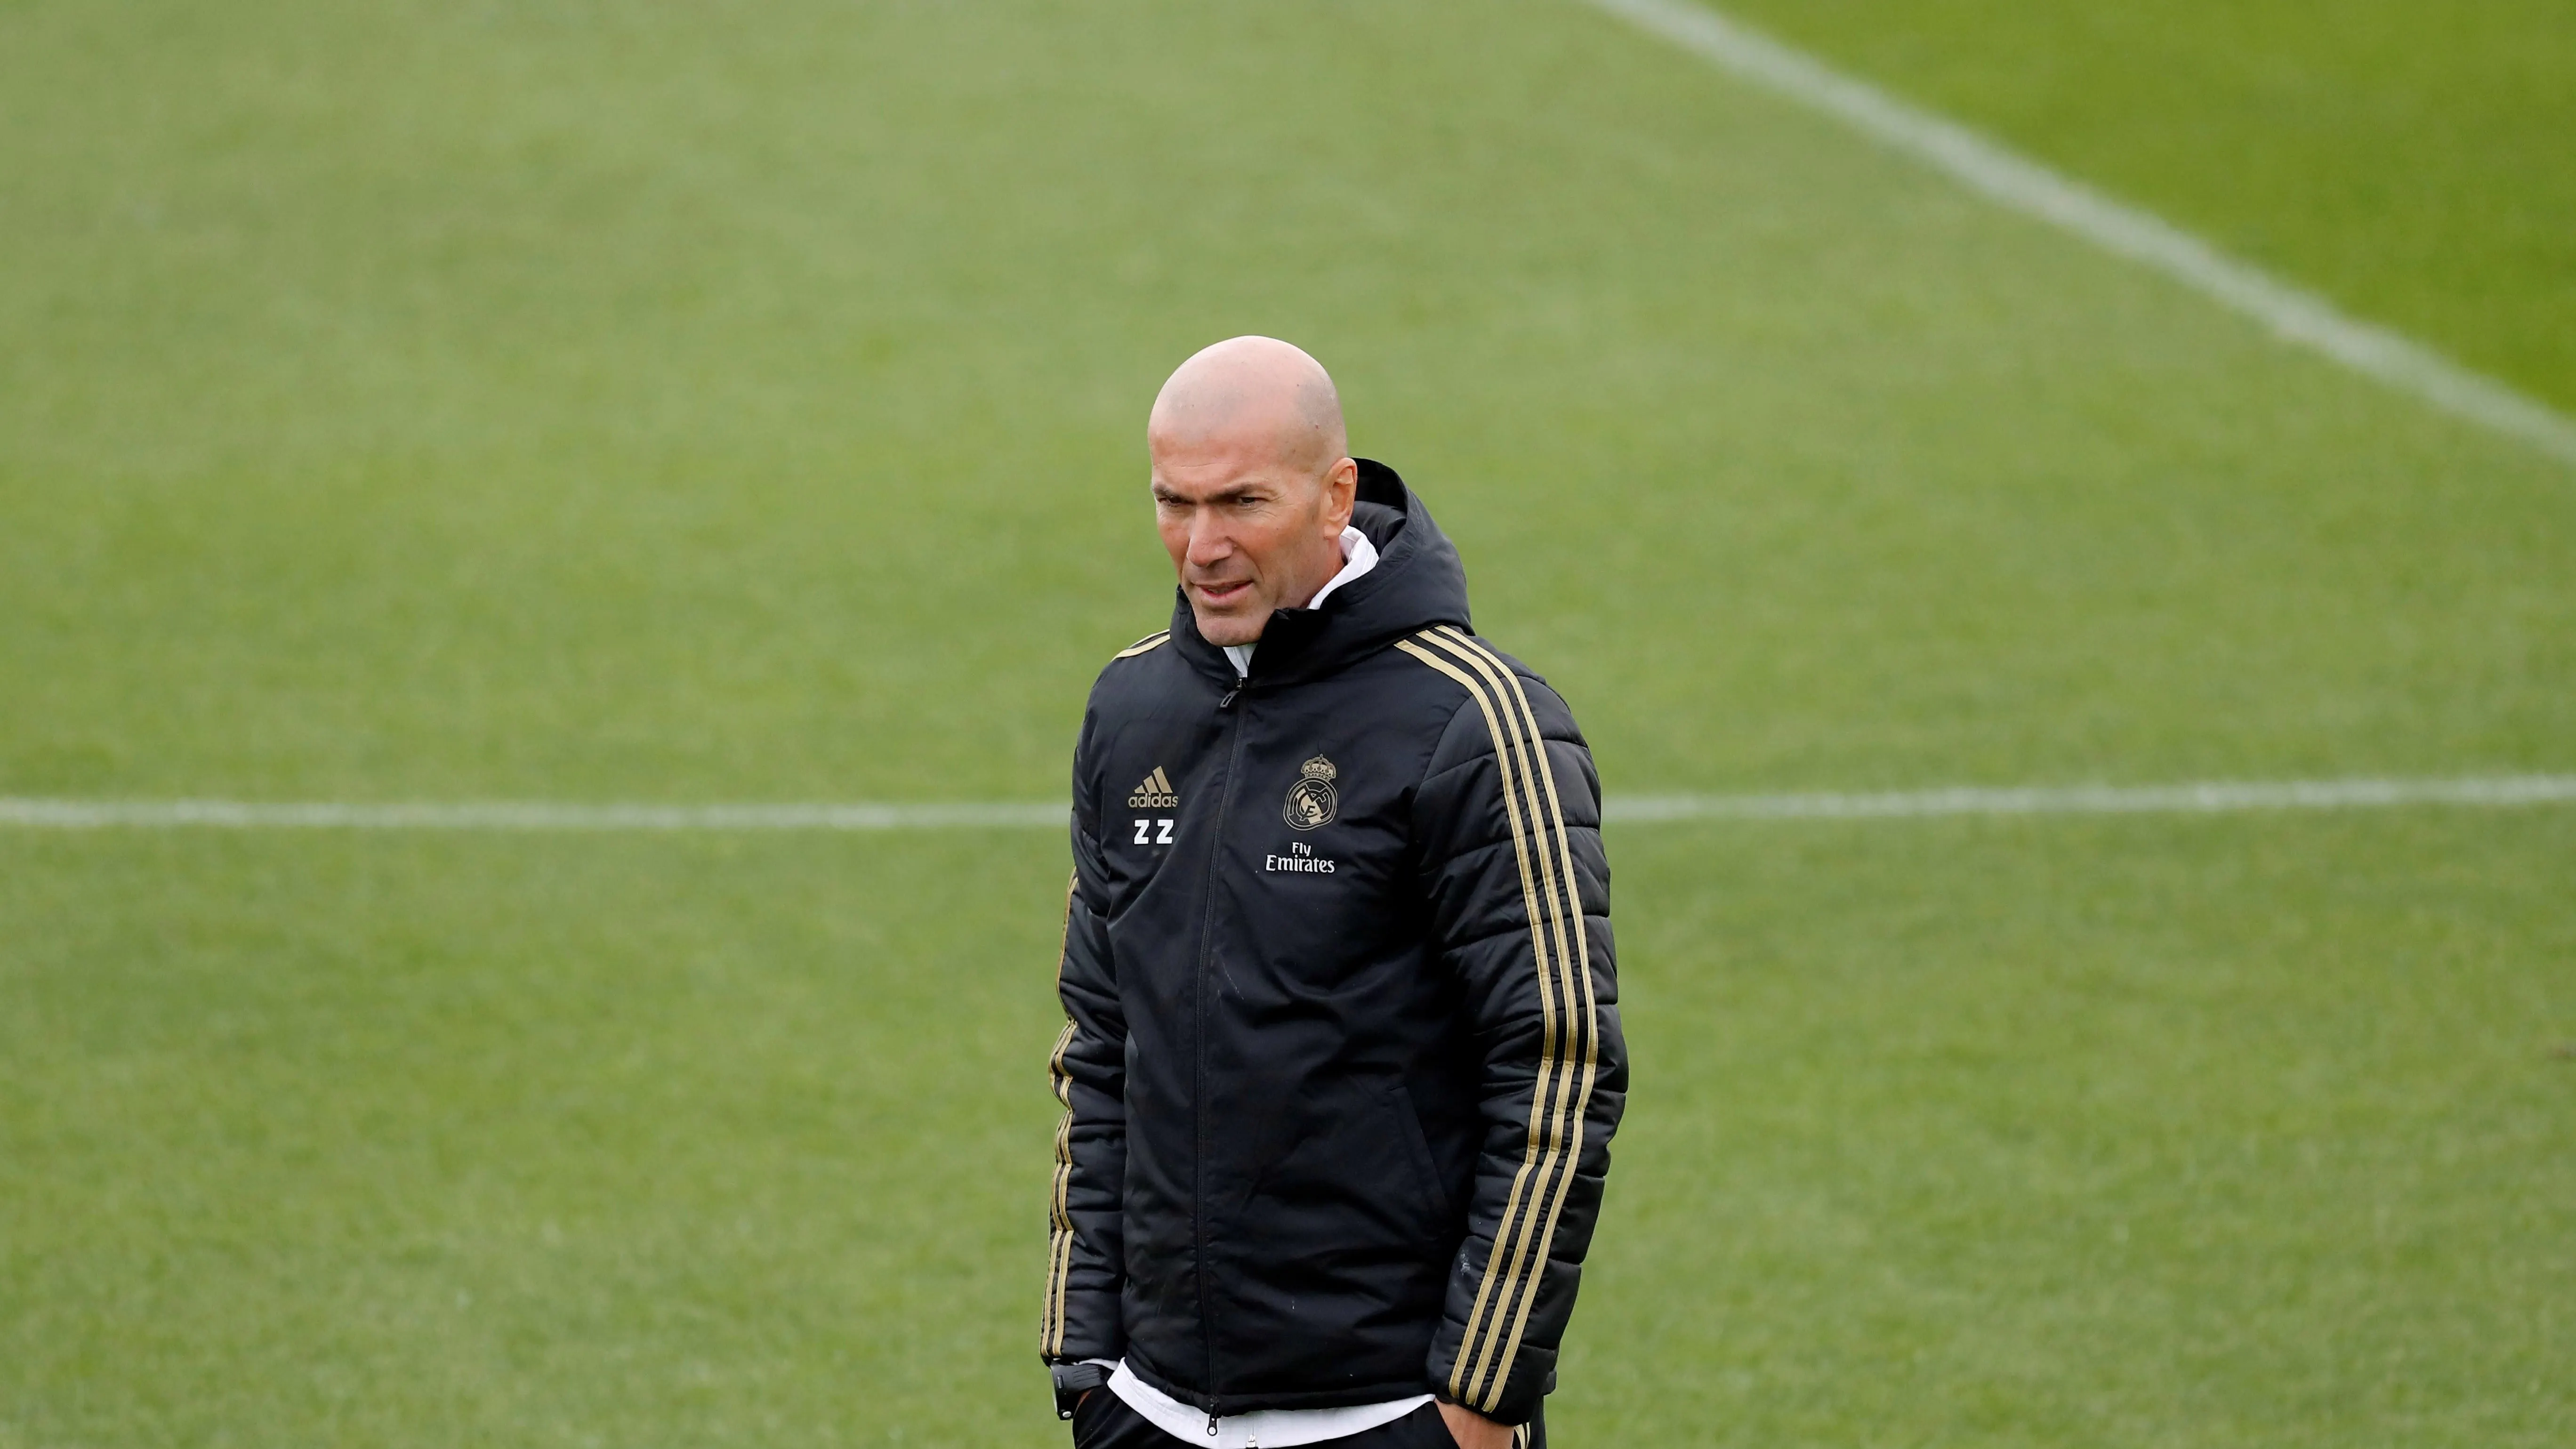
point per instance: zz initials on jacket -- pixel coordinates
(1159, 829)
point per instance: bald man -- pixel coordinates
(1342, 1057)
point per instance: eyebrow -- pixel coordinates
(1234, 494)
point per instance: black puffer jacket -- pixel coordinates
(1343, 1057)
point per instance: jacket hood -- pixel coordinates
(1418, 582)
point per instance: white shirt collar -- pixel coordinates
(1358, 557)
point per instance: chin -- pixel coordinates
(1225, 629)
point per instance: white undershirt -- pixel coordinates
(1267, 1428)
(1260, 1429)
(1358, 557)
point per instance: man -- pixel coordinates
(1343, 1057)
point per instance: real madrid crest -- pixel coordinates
(1311, 801)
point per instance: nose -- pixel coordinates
(1210, 544)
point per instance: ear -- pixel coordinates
(1341, 492)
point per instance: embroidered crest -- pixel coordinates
(1311, 801)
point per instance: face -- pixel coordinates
(1248, 531)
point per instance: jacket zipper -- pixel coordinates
(1198, 1063)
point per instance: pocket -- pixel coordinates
(1417, 1150)
(1093, 1417)
(1425, 1429)
(1091, 1414)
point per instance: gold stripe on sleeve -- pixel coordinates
(1146, 645)
(1527, 1259)
(1059, 1210)
(1582, 970)
(1469, 1370)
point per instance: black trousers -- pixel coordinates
(1105, 1422)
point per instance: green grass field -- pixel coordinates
(710, 403)
(2409, 161)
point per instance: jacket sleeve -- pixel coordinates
(1509, 814)
(1085, 1249)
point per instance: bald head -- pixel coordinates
(1253, 482)
(1252, 392)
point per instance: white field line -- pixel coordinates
(514, 815)
(2023, 185)
(2205, 798)
(2209, 797)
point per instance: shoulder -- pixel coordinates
(1146, 645)
(1141, 660)
(1497, 701)
(1139, 677)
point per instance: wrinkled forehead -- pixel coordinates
(1201, 466)
(1266, 438)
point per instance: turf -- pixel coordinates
(706, 403)
(2254, 1132)
(2409, 162)
(2209, 1132)
(447, 1141)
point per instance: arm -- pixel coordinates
(1085, 1247)
(1509, 816)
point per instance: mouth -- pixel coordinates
(1219, 595)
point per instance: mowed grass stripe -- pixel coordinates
(2128, 1130)
(2201, 797)
(2016, 182)
(1973, 504)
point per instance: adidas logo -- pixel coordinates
(1155, 793)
